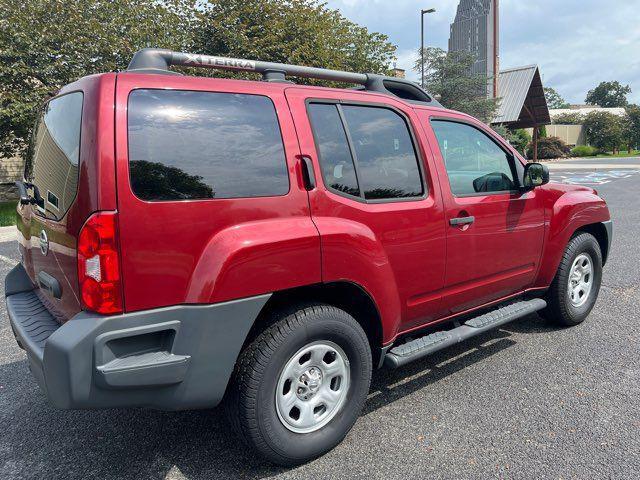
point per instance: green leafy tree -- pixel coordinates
(554, 99)
(605, 131)
(449, 78)
(45, 44)
(632, 131)
(303, 32)
(609, 94)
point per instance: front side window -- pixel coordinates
(366, 151)
(53, 156)
(187, 145)
(475, 164)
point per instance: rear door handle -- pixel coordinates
(308, 175)
(462, 221)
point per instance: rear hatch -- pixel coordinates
(47, 228)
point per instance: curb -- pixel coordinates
(8, 234)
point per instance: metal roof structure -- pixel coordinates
(522, 100)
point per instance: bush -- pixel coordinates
(584, 151)
(549, 147)
(568, 119)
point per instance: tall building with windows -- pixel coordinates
(475, 29)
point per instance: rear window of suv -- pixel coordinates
(52, 160)
(188, 145)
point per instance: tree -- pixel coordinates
(47, 44)
(605, 131)
(554, 100)
(448, 76)
(632, 131)
(303, 32)
(609, 94)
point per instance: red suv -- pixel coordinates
(188, 241)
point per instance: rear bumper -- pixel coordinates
(171, 358)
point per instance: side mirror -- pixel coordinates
(535, 175)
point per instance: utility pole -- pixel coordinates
(496, 46)
(422, 12)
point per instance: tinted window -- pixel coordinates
(385, 155)
(338, 170)
(52, 160)
(475, 163)
(197, 145)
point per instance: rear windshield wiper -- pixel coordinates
(25, 198)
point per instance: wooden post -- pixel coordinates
(535, 143)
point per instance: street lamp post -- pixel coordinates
(422, 12)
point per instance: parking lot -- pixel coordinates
(526, 401)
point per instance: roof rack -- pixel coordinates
(155, 60)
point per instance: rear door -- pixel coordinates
(211, 204)
(377, 206)
(494, 230)
(47, 229)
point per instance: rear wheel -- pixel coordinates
(575, 288)
(300, 385)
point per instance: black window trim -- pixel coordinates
(511, 158)
(419, 159)
(42, 212)
(284, 147)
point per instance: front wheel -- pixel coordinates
(575, 288)
(298, 388)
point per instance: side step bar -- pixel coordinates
(421, 347)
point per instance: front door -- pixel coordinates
(494, 229)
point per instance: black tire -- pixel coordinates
(560, 309)
(250, 401)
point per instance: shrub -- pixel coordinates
(584, 151)
(549, 147)
(568, 119)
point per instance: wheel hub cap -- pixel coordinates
(312, 387)
(580, 280)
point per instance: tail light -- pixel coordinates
(99, 264)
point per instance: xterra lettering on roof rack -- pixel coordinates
(154, 60)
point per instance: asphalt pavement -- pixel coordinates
(526, 401)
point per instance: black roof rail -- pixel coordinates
(155, 60)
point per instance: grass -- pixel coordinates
(635, 153)
(7, 213)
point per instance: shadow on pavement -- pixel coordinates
(38, 441)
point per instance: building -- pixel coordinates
(476, 30)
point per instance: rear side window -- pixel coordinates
(187, 145)
(366, 151)
(338, 170)
(52, 160)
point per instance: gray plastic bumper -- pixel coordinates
(170, 358)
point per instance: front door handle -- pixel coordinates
(456, 222)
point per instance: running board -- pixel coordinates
(421, 347)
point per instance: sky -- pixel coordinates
(576, 43)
